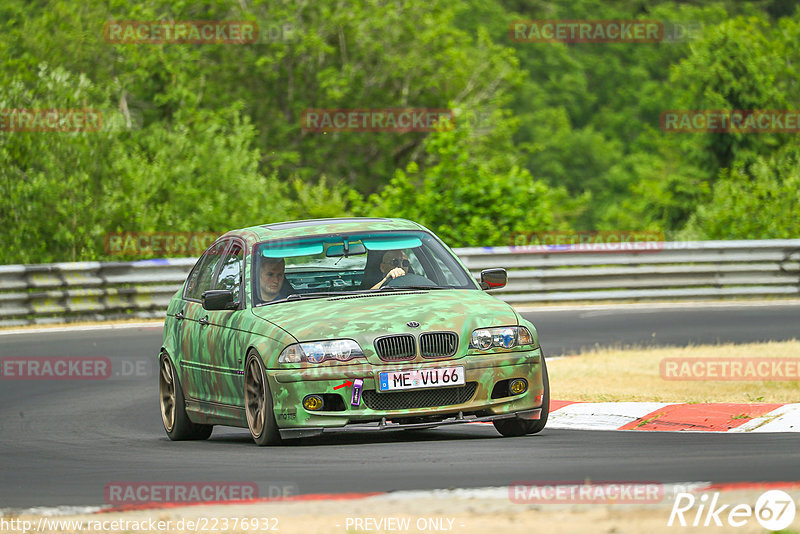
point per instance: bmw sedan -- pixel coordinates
(301, 328)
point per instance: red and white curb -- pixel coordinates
(714, 417)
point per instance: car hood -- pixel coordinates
(365, 317)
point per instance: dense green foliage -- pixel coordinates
(207, 137)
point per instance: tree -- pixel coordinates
(470, 197)
(760, 202)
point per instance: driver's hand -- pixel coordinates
(394, 273)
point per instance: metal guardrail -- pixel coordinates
(58, 292)
(88, 291)
(674, 270)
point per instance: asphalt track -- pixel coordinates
(62, 442)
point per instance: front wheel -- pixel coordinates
(258, 403)
(521, 427)
(173, 407)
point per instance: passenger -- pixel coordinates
(271, 279)
(395, 263)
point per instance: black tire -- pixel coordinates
(176, 422)
(258, 403)
(539, 424)
(520, 427)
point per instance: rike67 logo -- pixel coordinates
(774, 510)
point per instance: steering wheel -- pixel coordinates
(409, 279)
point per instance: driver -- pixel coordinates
(271, 279)
(395, 263)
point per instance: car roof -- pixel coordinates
(310, 227)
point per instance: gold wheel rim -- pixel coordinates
(254, 398)
(166, 388)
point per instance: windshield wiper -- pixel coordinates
(317, 294)
(406, 288)
(320, 294)
(323, 294)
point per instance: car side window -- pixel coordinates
(230, 273)
(202, 276)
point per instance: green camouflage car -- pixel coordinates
(301, 328)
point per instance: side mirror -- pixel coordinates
(493, 278)
(218, 299)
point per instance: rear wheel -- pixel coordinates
(520, 427)
(173, 408)
(258, 403)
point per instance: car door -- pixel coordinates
(224, 342)
(194, 371)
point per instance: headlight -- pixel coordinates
(319, 351)
(504, 337)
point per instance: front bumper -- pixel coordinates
(290, 386)
(305, 432)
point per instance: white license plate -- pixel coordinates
(421, 378)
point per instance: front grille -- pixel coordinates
(396, 348)
(422, 398)
(438, 344)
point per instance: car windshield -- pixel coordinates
(321, 265)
